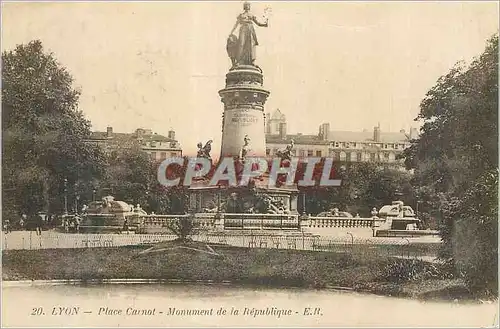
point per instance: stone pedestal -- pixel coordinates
(204, 198)
(244, 98)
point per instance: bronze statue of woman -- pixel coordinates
(242, 50)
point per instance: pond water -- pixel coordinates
(168, 305)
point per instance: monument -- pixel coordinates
(243, 132)
(244, 95)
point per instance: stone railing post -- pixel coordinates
(219, 221)
(304, 221)
(375, 225)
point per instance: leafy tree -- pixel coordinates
(131, 176)
(475, 234)
(457, 149)
(364, 185)
(386, 185)
(458, 139)
(43, 132)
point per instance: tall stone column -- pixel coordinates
(244, 98)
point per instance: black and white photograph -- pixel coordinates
(249, 164)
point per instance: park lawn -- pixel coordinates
(254, 266)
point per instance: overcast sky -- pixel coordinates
(159, 65)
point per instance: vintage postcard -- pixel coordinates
(260, 164)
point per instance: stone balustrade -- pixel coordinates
(158, 223)
(261, 221)
(221, 221)
(164, 220)
(340, 222)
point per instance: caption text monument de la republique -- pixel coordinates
(271, 311)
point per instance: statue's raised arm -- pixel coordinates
(256, 21)
(241, 48)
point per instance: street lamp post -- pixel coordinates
(93, 194)
(304, 203)
(77, 197)
(416, 211)
(219, 197)
(65, 196)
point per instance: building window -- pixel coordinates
(392, 157)
(359, 157)
(354, 145)
(302, 153)
(173, 155)
(342, 156)
(268, 151)
(163, 155)
(153, 155)
(373, 156)
(318, 154)
(310, 153)
(294, 152)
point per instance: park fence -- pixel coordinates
(29, 240)
(370, 247)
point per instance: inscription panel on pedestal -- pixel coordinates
(239, 123)
(244, 117)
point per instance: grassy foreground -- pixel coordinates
(267, 267)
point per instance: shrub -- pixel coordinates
(474, 237)
(404, 270)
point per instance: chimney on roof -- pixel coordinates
(109, 131)
(324, 131)
(171, 134)
(282, 130)
(376, 133)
